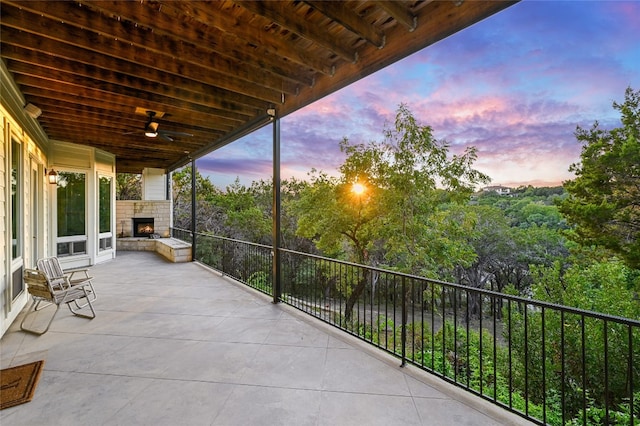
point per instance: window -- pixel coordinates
(105, 236)
(16, 200)
(71, 197)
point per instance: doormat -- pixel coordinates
(18, 384)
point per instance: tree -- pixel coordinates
(607, 286)
(128, 186)
(397, 220)
(604, 198)
(244, 217)
(208, 215)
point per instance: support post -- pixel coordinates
(194, 216)
(403, 330)
(168, 188)
(277, 288)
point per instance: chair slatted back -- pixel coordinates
(37, 284)
(52, 269)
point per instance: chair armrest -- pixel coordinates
(71, 272)
(75, 270)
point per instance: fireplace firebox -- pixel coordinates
(143, 226)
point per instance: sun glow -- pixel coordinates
(358, 188)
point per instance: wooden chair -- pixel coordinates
(53, 270)
(57, 292)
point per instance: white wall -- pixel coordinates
(154, 184)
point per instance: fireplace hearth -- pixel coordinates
(143, 226)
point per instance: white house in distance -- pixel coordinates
(500, 190)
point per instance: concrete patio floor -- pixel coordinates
(177, 344)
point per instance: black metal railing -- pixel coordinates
(181, 234)
(548, 363)
(246, 262)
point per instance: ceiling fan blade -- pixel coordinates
(165, 137)
(169, 132)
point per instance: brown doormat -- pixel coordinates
(18, 384)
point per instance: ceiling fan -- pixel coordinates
(151, 129)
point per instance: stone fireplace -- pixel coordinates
(142, 226)
(156, 213)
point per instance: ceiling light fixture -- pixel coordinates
(151, 129)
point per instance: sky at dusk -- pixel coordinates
(515, 86)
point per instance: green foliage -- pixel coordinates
(128, 186)
(244, 217)
(528, 206)
(607, 287)
(207, 214)
(260, 280)
(454, 352)
(604, 201)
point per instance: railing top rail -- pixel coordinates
(226, 239)
(513, 298)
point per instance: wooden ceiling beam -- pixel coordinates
(127, 165)
(121, 126)
(337, 11)
(49, 104)
(277, 12)
(142, 14)
(114, 70)
(131, 143)
(107, 81)
(94, 135)
(96, 118)
(63, 120)
(265, 44)
(400, 13)
(28, 82)
(89, 97)
(55, 103)
(127, 41)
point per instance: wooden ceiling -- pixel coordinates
(208, 68)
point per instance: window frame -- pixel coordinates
(71, 241)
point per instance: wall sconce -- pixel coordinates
(53, 177)
(32, 110)
(271, 112)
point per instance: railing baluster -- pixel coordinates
(443, 329)
(495, 350)
(481, 357)
(562, 371)
(510, 357)
(630, 370)
(526, 361)
(468, 321)
(605, 325)
(455, 335)
(544, 369)
(371, 303)
(403, 330)
(433, 325)
(584, 373)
